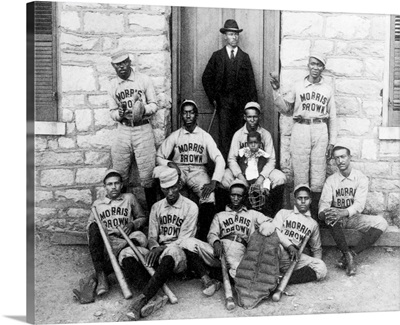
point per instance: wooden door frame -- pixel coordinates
(271, 34)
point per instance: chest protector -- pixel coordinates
(258, 271)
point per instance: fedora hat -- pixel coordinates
(230, 26)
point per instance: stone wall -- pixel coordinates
(69, 167)
(355, 48)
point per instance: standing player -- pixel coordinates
(292, 226)
(115, 209)
(191, 146)
(229, 83)
(132, 102)
(312, 104)
(342, 202)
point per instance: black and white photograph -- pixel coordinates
(192, 162)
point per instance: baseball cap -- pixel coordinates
(253, 105)
(119, 56)
(110, 171)
(168, 176)
(302, 186)
(341, 145)
(189, 101)
(319, 56)
(238, 182)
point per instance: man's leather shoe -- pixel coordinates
(102, 284)
(350, 264)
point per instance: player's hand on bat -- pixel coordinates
(208, 189)
(274, 80)
(153, 255)
(294, 253)
(218, 250)
(328, 153)
(128, 228)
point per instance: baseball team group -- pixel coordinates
(215, 210)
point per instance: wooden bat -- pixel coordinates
(212, 119)
(229, 302)
(171, 296)
(282, 285)
(117, 269)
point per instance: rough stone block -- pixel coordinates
(290, 58)
(67, 115)
(363, 88)
(353, 126)
(108, 43)
(375, 203)
(72, 101)
(99, 22)
(70, 20)
(76, 78)
(369, 149)
(378, 27)
(346, 67)
(66, 143)
(102, 117)
(90, 175)
(76, 195)
(102, 139)
(347, 26)
(83, 119)
(78, 213)
(389, 149)
(346, 105)
(71, 127)
(52, 144)
(302, 24)
(374, 68)
(377, 169)
(50, 158)
(43, 196)
(395, 169)
(394, 203)
(40, 143)
(45, 213)
(164, 101)
(159, 136)
(56, 177)
(138, 21)
(144, 43)
(362, 49)
(324, 46)
(372, 108)
(290, 76)
(353, 143)
(69, 42)
(97, 158)
(385, 185)
(98, 100)
(155, 63)
(286, 125)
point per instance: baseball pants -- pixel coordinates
(308, 147)
(363, 222)
(317, 265)
(134, 142)
(276, 177)
(195, 177)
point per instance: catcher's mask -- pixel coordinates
(257, 197)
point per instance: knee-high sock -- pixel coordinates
(196, 263)
(315, 197)
(303, 275)
(162, 274)
(96, 247)
(206, 215)
(135, 272)
(370, 237)
(338, 235)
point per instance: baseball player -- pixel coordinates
(230, 231)
(132, 102)
(115, 209)
(276, 178)
(312, 104)
(343, 199)
(172, 220)
(292, 226)
(191, 147)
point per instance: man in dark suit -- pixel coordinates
(229, 83)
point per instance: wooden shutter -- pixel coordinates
(45, 75)
(394, 91)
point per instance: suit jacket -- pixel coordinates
(213, 76)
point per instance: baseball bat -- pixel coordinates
(171, 296)
(229, 302)
(282, 285)
(117, 269)
(212, 119)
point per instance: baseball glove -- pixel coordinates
(87, 289)
(137, 111)
(256, 196)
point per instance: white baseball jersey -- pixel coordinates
(118, 212)
(239, 141)
(191, 149)
(345, 192)
(124, 91)
(294, 226)
(308, 100)
(172, 223)
(241, 223)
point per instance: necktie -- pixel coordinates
(232, 54)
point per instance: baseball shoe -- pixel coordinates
(137, 304)
(102, 284)
(210, 287)
(341, 263)
(350, 263)
(153, 305)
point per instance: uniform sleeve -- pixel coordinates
(360, 197)
(189, 225)
(139, 218)
(153, 227)
(216, 157)
(215, 231)
(270, 150)
(285, 105)
(233, 155)
(165, 150)
(332, 120)
(151, 99)
(325, 201)
(315, 242)
(260, 218)
(208, 78)
(278, 222)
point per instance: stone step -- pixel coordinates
(390, 238)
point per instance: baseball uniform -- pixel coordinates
(314, 113)
(190, 153)
(133, 139)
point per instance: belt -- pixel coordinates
(133, 124)
(316, 120)
(236, 239)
